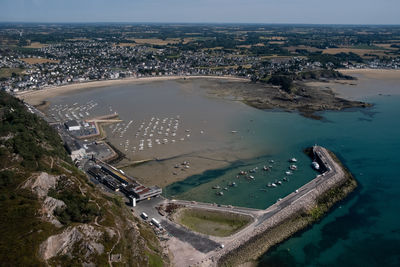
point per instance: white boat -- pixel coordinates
(273, 185)
(288, 173)
(293, 167)
(293, 160)
(315, 165)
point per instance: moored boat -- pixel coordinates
(233, 184)
(315, 165)
(293, 167)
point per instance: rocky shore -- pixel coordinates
(307, 100)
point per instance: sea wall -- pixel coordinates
(291, 219)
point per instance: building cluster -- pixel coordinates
(393, 63)
(81, 61)
(116, 180)
(85, 152)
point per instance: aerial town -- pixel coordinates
(28, 62)
(167, 144)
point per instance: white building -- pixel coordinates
(72, 125)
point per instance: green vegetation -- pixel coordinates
(155, 260)
(25, 144)
(32, 138)
(318, 74)
(212, 222)
(28, 145)
(10, 72)
(78, 207)
(285, 82)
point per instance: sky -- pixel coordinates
(203, 11)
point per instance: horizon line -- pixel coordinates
(199, 23)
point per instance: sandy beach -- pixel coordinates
(373, 73)
(369, 83)
(36, 97)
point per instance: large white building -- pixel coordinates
(72, 125)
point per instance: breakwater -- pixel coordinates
(289, 215)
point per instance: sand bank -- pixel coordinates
(163, 172)
(36, 97)
(373, 73)
(369, 83)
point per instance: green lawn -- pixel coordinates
(7, 72)
(212, 222)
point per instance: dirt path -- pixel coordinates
(109, 253)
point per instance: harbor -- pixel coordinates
(145, 199)
(281, 136)
(303, 199)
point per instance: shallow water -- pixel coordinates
(209, 121)
(364, 230)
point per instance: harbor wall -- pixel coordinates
(290, 219)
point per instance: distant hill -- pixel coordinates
(50, 213)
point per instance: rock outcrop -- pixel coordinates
(48, 207)
(84, 236)
(41, 184)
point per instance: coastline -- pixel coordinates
(307, 100)
(37, 97)
(368, 83)
(373, 73)
(204, 161)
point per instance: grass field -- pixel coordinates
(302, 47)
(156, 41)
(126, 44)
(38, 60)
(36, 45)
(7, 72)
(361, 51)
(213, 223)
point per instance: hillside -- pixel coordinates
(50, 213)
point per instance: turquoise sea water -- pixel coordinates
(363, 230)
